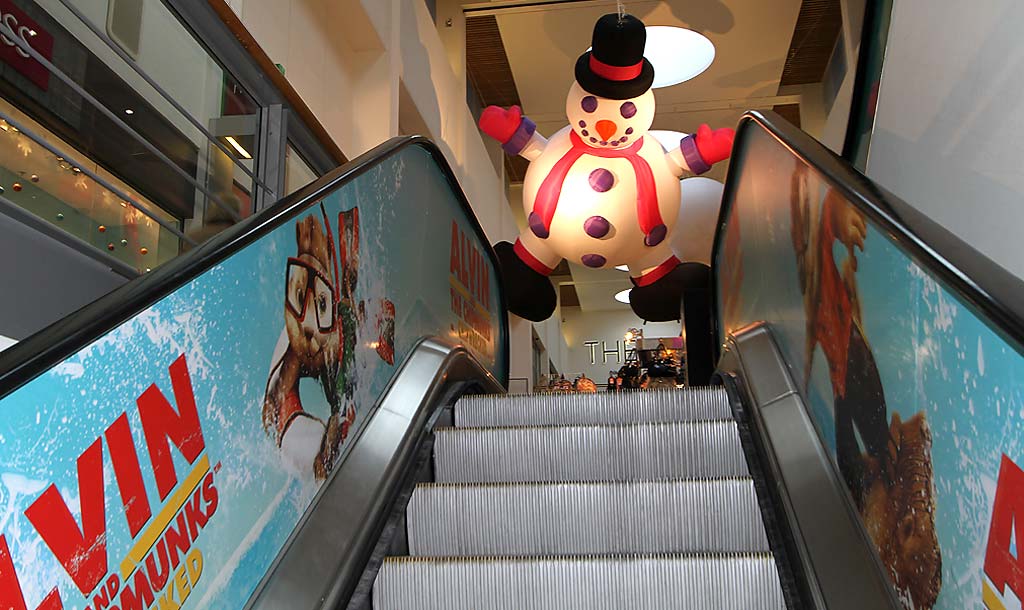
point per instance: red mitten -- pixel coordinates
(501, 124)
(714, 146)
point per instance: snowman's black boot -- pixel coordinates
(662, 300)
(528, 294)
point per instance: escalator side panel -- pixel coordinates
(200, 409)
(905, 344)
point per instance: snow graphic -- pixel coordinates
(226, 324)
(942, 368)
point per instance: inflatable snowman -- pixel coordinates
(602, 191)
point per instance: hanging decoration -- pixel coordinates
(17, 187)
(602, 192)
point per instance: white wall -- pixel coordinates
(350, 60)
(607, 327)
(947, 135)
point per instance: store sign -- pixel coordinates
(29, 31)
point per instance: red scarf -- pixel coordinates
(550, 190)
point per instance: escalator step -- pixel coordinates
(589, 453)
(585, 519)
(690, 404)
(748, 582)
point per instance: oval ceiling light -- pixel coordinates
(669, 140)
(623, 296)
(677, 54)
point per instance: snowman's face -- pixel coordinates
(605, 123)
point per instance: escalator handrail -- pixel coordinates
(996, 294)
(45, 349)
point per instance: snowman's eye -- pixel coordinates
(628, 110)
(589, 103)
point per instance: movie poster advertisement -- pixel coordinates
(920, 403)
(166, 464)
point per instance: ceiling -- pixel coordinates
(760, 46)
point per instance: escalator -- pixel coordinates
(586, 501)
(309, 411)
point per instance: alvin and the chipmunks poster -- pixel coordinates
(920, 403)
(166, 464)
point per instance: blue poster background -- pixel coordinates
(934, 355)
(227, 322)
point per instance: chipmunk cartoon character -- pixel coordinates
(891, 478)
(316, 343)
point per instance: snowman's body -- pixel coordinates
(597, 218)
(582, 200)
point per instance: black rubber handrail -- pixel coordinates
(994, 293)
(45, 349)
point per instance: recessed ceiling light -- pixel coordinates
(623, 296)
(622, 267)
(669, 140)
(129, 111)
(234, 143)
(677, 54)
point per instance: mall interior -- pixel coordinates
(781, 365)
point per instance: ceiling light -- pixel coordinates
(234, 143)
(622, 267)
(677, 54)
(623, 296)
(129, 111)
(669, 140)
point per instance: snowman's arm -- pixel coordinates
(686, 158)
(517, 133)
(526, 141)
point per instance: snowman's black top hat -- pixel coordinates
(615, 68)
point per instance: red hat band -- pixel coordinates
(615, 73)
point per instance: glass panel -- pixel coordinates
(266, 408)
(54, 189)
(191, 156)
(297, 173)
(918, 400)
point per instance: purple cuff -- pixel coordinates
(521, 137)
(688, 146)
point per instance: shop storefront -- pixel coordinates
(124, 134)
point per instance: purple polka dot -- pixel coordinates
(583, 124)
(629, 131)
(597, 226)
(601, 180)
(537, 226)
(656, 236)
(593, 140)
(593, 260)
(604, 143)
(628, 110)
(616, 143)
(585, 133)
(589, 103)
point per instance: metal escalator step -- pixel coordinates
(748, 582)
(585, 519)
(690, 404)
(589, 453)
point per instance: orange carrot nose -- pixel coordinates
(606, 129)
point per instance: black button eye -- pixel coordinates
(589, 103)
(628, 110)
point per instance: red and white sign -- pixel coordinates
(29, 31)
